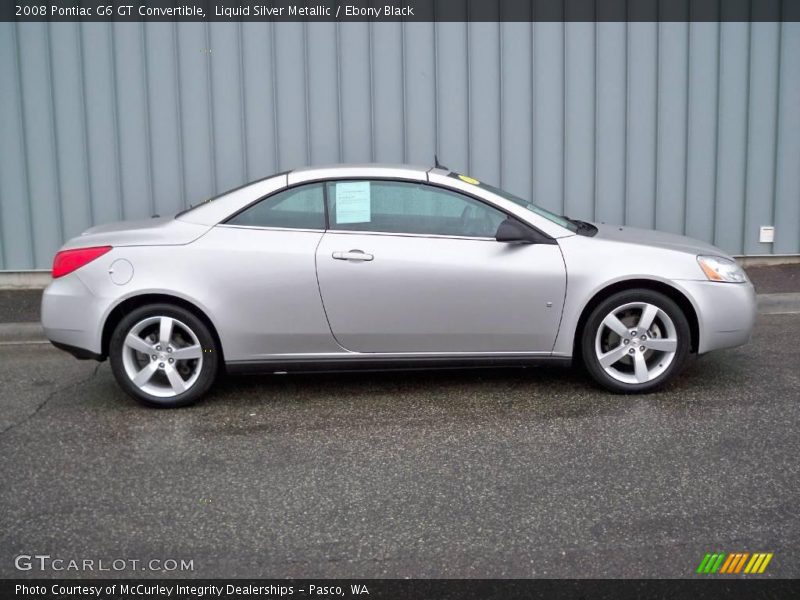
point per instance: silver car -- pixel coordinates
(386, 267)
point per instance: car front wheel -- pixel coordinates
(163, 356)
(635, 341)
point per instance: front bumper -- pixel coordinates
(726, 312)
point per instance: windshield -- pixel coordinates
(534, 208)
(527, 204)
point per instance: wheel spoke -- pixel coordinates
(187, 353)
(662, 344)
(175, 380)
(165, 330)
(640, 368)
(134, 341)
(646, 320)
(609, 358)
(615, 325)
(143, 376)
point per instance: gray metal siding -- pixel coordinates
(687, 127)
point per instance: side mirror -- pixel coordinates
(512, 231)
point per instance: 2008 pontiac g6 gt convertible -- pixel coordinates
(386, 267)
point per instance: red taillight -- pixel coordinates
(67, 261)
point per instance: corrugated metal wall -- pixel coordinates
(686, 127)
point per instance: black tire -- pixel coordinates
(594, 322)
(207, 369)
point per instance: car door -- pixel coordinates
(259, 277)
(406, 267)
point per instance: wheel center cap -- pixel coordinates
(162, 356)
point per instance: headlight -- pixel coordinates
(717, 268)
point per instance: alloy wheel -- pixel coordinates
(636, 342)
(162, 356)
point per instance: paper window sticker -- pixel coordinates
(353, 202)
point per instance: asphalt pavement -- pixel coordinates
(490, 473)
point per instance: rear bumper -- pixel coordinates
(72, 316)
(726, 312)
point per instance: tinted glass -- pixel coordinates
(296, 208)
(398, 207)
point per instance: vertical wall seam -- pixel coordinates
(500, 122)
(115, 111)
(436, 133)
(594, 121)
(565, 126)
(686, 127)
(339, 110)
(745, 170)
(24, 145)
(626, 185)
(243, 100)
(210, 112)
(533, 103)
(717, 99)
(403, 87)
(275, 117)
(468, 94)
(59, 212)
(305, 93)
(563, 113)
(179, 116)
(776, 146)
(147, 125)
(371, 83)
(85, 127)
(657, 141)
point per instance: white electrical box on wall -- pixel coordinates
(766, 234)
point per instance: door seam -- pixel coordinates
(319, 291)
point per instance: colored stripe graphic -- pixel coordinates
(740, 564)
(703, 563)
(733, 563)
(764, 564)
(718, 563)
(735, 556)
(757, 558)
(758, 563)
(711, 563)
(727, 564)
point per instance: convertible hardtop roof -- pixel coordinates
(366, 169)
(215, 211)
(388, 171)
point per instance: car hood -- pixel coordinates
(660, 239)
(158, 231)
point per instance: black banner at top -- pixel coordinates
(400, 10)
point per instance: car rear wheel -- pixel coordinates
(635, 341)
(163, 356)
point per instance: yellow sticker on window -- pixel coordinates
(468, 179)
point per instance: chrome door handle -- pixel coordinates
(353, 255)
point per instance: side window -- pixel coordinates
(296, 208)
(399, 207)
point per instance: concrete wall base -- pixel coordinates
(24, 280)
(769, 260)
